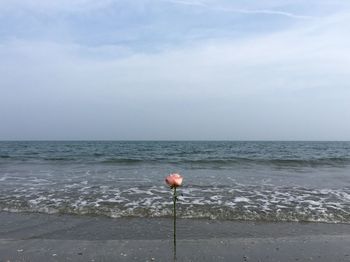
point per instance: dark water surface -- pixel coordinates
(271, 181)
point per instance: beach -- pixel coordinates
(43, 237)
(174, 130)
(240, 201)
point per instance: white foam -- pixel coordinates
(241, 199)
(4, 178)
(279, 203)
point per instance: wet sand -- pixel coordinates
(41, 237)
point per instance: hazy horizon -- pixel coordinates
(165, 140)
(199, 70)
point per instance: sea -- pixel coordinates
(223, 180)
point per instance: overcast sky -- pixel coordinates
(175, 69)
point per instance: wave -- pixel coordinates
(123, 161)
(187, 160)
(237, 161)
(220, 203)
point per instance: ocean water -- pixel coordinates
(259, 181)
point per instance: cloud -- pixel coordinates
(39, 6)
(183, 2)
(305, 57)
(217, 7)
(265, 12)
(281, 84)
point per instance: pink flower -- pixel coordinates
(174, 180)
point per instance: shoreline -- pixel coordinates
(43, 237)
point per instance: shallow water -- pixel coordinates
(271, 181)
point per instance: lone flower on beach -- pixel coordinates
(174, 180)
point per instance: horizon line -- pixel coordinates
(168, 140)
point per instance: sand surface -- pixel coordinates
(41, 237)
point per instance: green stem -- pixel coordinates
(174, 212)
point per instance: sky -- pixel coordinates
(174, 70)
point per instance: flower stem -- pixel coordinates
(174, 212)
